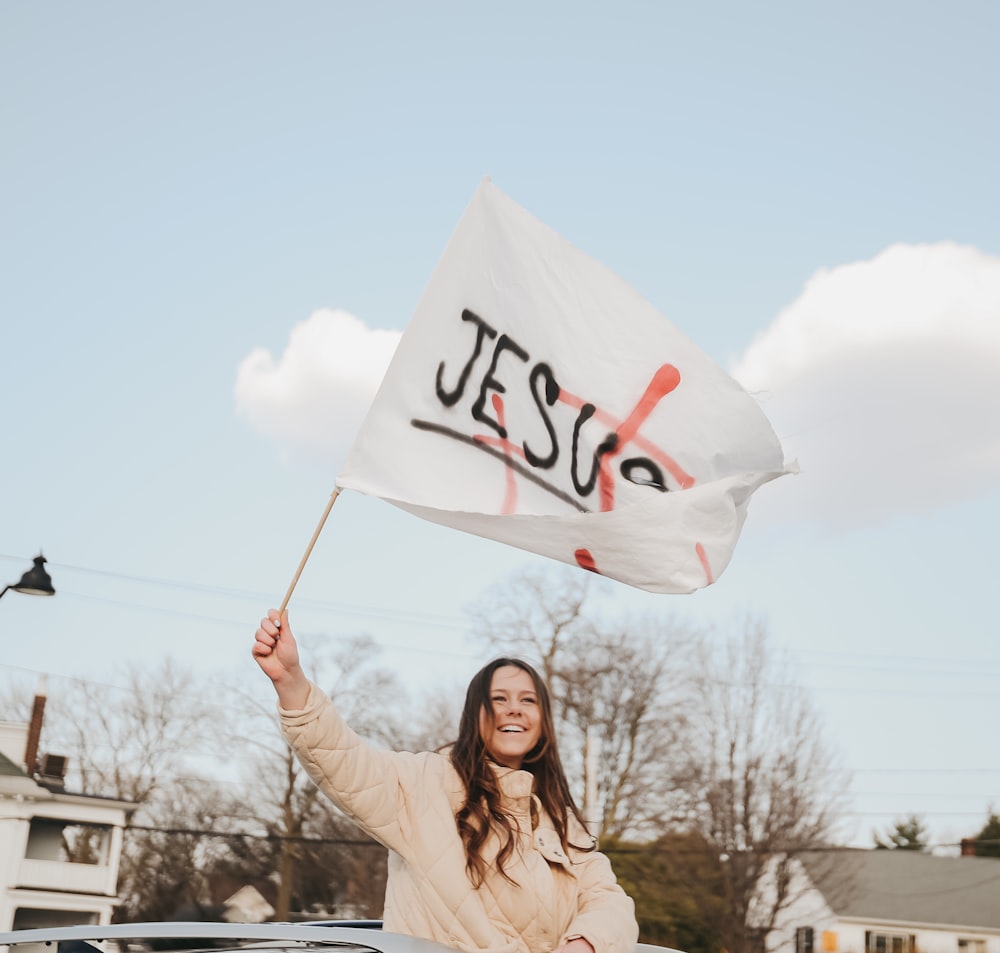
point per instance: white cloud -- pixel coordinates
(312, 401)
(883, 379)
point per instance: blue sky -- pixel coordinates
(808, 192)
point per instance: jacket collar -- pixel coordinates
(514, 783)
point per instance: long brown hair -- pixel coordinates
(482, 811)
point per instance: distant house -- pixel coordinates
(40, 825)
(891, 901)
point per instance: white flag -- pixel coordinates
(537, 399)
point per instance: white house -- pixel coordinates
(39, 820)
(891, 901)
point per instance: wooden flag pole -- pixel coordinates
(309, 548)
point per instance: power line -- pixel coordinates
(362, 612)
(230, 835)
(411, 616)
(925, 770)
(441, 621)
(894, 659)
(610, 849)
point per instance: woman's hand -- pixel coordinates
(276, 653)
(577, 945)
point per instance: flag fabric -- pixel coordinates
(536, 399)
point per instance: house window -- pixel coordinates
(804, 940)
(889, 942)
(29, 918)
(51, 839)
(967, 945)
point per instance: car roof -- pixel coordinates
(356, 936)
(168, 936)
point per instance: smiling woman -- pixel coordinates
(507, 724)
(487, 850)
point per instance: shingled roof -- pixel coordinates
(9, 769)
(908, 886)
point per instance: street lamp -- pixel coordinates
(35, 582)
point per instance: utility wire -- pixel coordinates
(841, 660)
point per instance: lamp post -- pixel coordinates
(35, 582)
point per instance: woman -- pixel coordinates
(487, 852)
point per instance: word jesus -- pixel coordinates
(532, 418)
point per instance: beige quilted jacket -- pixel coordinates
(408, 803)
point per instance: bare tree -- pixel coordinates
(152, 736)
(169, 857)
(434, 719)
(128, 735)
(625, 684)
(15, 699)
(536, 614)
(763, 785)
(137, 736)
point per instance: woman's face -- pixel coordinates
(513, 724)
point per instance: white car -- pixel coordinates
(334, 936)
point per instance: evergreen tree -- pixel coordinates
(906, 834)
(988, 839)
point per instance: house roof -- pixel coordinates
(908, 886)
(9, 769)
